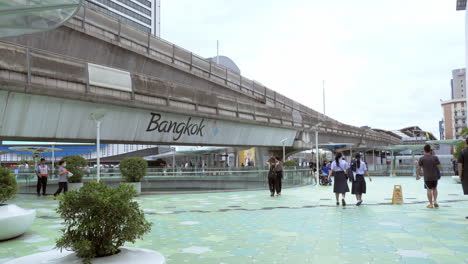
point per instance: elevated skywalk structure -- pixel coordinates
(152, 91)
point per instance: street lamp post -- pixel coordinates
(173, 159)
(284, 151)
(98, 150)
(316, 128)
(97, 116)
(53, 158)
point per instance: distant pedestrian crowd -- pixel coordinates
(428, 168)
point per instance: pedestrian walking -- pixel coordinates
(279, 174)
(338, 168)
(359, 168)
(429, 165)
(324, 180)
(455, 166)
(463, 168)
(42, 173)
(272, 176)
(63, 178)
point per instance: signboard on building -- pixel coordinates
(461, 5)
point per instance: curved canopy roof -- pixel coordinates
(446, 141)
(35, 150)
(334, 146)
(19, 17)
(65, 150)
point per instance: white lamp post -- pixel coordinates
(316, 128)
(97, 116)
(53, 158)
(173, 159)
(284, 152)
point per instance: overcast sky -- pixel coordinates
(386, 64)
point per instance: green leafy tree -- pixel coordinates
(460, 146)
(100, 219)
(133, 169)
(8, 185)
(75, 165)
(24, 162)
(290, 163)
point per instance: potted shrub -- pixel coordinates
(290, 163)
(17, 219)
(75, 165)
(133, 170)
(98, 221)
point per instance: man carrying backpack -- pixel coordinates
(42, 172)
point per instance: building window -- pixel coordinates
(125, 11)
(145, 2)
(121, 18)
(136, 7)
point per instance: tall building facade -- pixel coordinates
(454, 117)
(441, 130)
(142, 14)
(458, 83)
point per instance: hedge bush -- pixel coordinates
(100, 219)
(8, 185)
(290, 163)
(133, 169)
(75, 165)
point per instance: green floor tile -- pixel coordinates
(206, 228)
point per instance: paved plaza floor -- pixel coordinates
(302, 226)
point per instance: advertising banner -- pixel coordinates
(247, 157)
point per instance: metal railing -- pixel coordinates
(23, 69)
(162, 50)
(182, 180)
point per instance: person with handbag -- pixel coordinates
(273, 176)
(358, 187)
(338, 168)
(63, 178)
(279, 175)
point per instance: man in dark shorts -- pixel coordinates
(463, 168)
(429, 165)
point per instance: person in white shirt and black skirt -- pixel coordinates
(338, 169)
(359, 168)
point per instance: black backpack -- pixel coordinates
(272, 173)
(354, 165)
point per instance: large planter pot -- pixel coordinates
(136, 186)
(125, 256)
(74, 186)
(14, 220)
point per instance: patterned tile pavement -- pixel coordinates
(302, 226)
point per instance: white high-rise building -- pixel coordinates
(458, 83)
(141, 14)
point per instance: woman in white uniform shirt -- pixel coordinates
(338, 168)
(359, 183)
